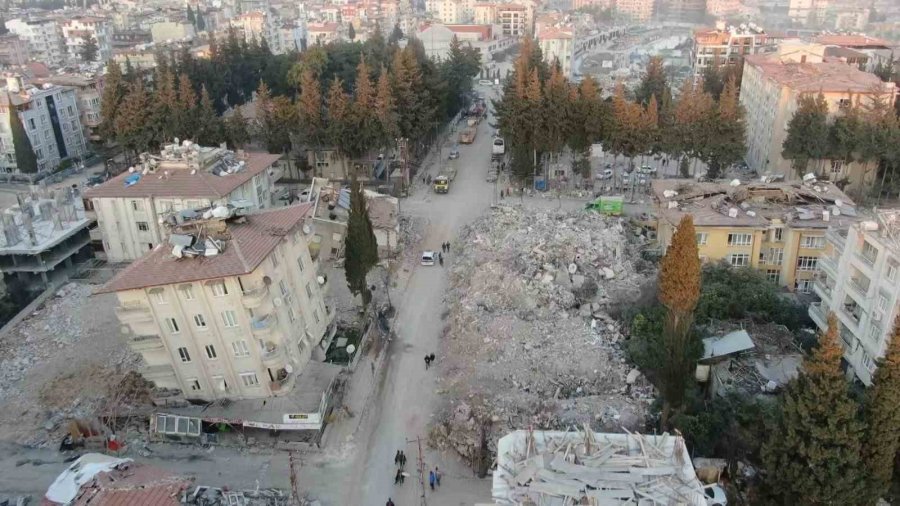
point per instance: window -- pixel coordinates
(778, 235)
(172, 325)
(874, 333)
(837, 166)
(249, 379)
(187, 292)
(702, 237)
(179, 425)
(240, 348)
(892, 272)
(184, 355)
(868, 362)
(137, 205)
(316, 315)
(776, 256)
(308, 291)
(803, 285)
(219, 289)
(31, 124)
(812, 242)
(869, 252)
(199, 321)
(773, 275)
(229, 318)
(883, 303)
(142, 226)
(807, 263)
(194, 384)
(300, 263)
(740, 239)
(739, 260)
(274, 258)
(210, 351)
(159, 297)
(291, 315)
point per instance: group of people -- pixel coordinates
(400, 462)
(434, 476)
(428, 360)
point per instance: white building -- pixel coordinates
(257, 26)
(859, 281)
(240, 321)
(558, 45)
(164, 31)
(44, 38)
(51, 120)
(77, 30)
(129, 207)
(89, 91)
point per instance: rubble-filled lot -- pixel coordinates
(59, 363)
(528, 340)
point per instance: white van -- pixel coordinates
(428, 258)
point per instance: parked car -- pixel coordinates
(606, 174)
(428, 258)
(454, 153)
(485, 82)
(715, 496)
(646, 169)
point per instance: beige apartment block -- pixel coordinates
(860, 282)
(239, 321)
(558, 45)
(771, 88)
(129, 207)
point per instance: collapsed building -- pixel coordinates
(776, 227)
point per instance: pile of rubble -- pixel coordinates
(529, 341)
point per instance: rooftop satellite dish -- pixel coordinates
(350, 349)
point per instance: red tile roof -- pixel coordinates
(181, 183)
(483, 30)
(828, 76)
(853, 41)
(251, 242)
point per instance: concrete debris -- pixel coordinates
(530, 341)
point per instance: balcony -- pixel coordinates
(262, 325)
(860, 286)
(272, 354)
(821, 288)
(156, 373)
(145, 343)
(828, 265)
(818, 314)
(838, 238)
(254, 297)
(134, 313)
(852, 311)
(282, 385)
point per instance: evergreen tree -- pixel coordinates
(654, 83)
(845, 134)
(209, 126)
(679, 292)
(396, 34)
(166, 113)
(815, 458)
(201, 23)
(338, 123)
(360, 245)
(713, 79)
(727, 137)
(113, 92)
(385, 110)
(236, 130)
(190, 16)
(309, 109)
(807, 136)
(351, 32)
(89, 48)
(363, 116)
(26, 161)
(131, 75)
(693, 114)
(134, 119)
(555, 108)
(883, 419)
(587, 120)
(628, 136)
(186, 117)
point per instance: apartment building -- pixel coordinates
(89, 92)
(682, 10)
(558, 45)
(451, 11)
(130, 207)
(513, 19)
(13, 50)
(240, 318)
(859, 282)
(44, 37)
(807, 12)
(725, 8)
(51, 120)
(726, 46)
(776, 227)
(637, 10)
(322, 33)
(257, 25)
(771, 87)
(169, 30)
(76, 31)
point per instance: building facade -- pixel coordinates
(726, 46)
(771, 87)
(558, 45)
(77, 30)
(51, 120)
(859, 281)
(241, 324)
(637, 10)
(89, 91)
(13, 50)
(129, 208)
(513, 19)
(44, 37)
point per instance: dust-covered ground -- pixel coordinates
(527, 339)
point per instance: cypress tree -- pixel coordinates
(209, 127)
(89, 49)
(134, 121)
(236, 129)
(554, 103)
(360, 245)
(679, 292)
(166, 103)
(190, 16)
(813, 456)
(351, 32)
(883, 419)
(363, 118)
(26, 161)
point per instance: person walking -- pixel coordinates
(431, 479)
(431, 358)
(389, 503)
(397, 458)
(402, 460)
(440, 259)
(398, 478)
(427, 362)
(437, 476)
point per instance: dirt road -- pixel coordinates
(407, 398)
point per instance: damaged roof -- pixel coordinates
(753, 204)
(251, 242)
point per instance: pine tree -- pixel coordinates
(713, 79)
(236, 129)
(209, 126)
(338, 123)
(813, 457)
(190, 16)
(396, 34)
(807, 136)
(692, 114)
(186, 112)
(385, 110)
(113, 92)
(679, 292)
(654, 83)
(351, 32)
(134, 120)
(166, 113)
(883, 419)
(555, 106)
(309, 109)
(360, 245)
(89, 48)
(26, 161)
(362, 115)
(727, 139)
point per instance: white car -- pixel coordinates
(646, 169)
(606, 174)
(485, 82)
(428, 258)
(715, 496)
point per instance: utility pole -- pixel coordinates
(421, 463)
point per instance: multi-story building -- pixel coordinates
(13, 50)
(637, 10)
(771, 87)
(558, 45)
(725, 8)
(778, 228)
(257, 25)
(726, 46)
(808, 12)
(241, 320)
(164, 31)
(44, 39)
(682, 10)
(130, 207)
(513, 19)
(321, 33)
(452, 11)
(859, 281)
(76, 31)
(89, 91)
(51, 120)
(486, 38)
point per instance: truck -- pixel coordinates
(467, 136)
(498, 149)
(608, 204)
(441, 184)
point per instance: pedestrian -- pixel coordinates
(389, 503)
(397, 458)
(402, 459)
(448, 246)
(441, 259)
(431, 479)
(431, 358)
(402, 477)
(427, 362)
(437, 476)
(398, 477)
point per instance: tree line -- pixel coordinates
(541, 114)
(354, 97)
